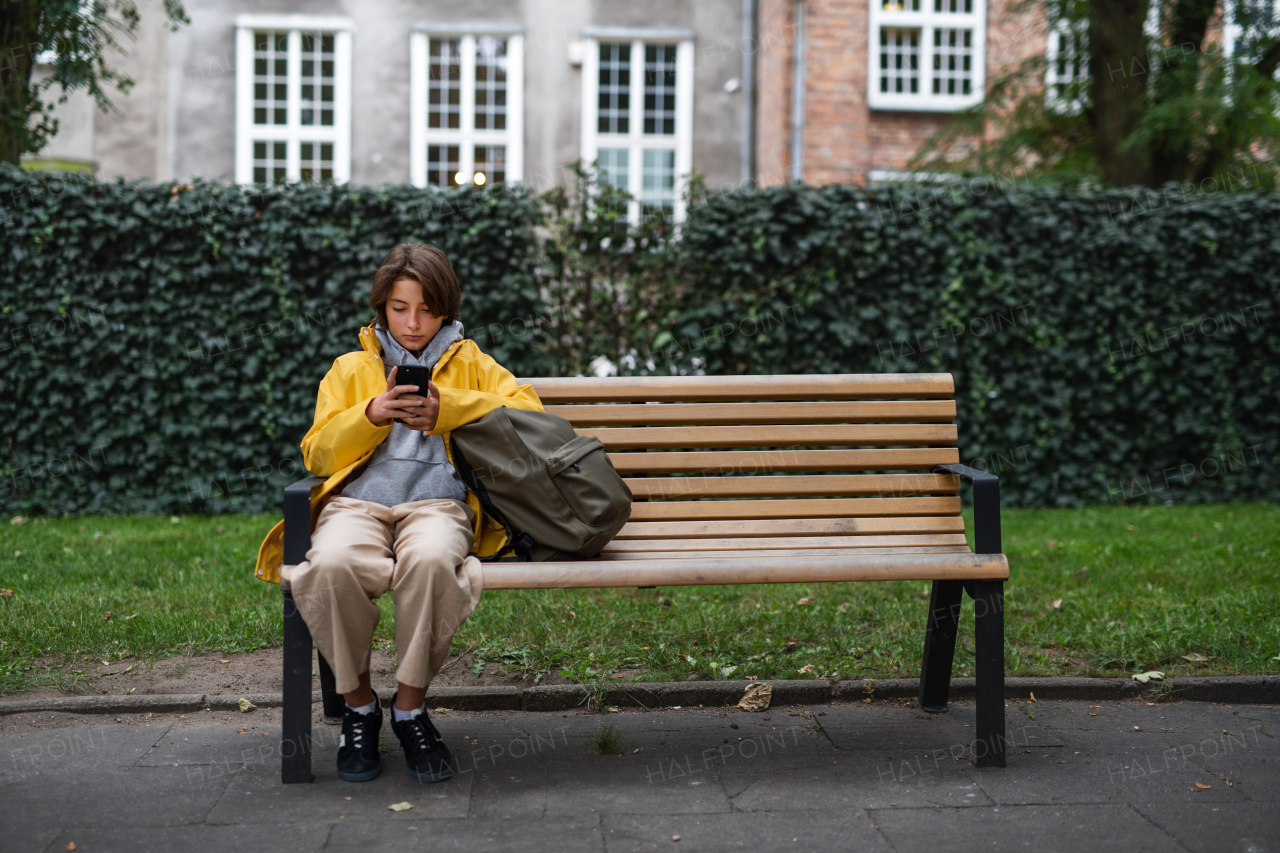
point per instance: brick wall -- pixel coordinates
(843, 139)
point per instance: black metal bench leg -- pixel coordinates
(333, 702)
(988, 605)
(940, 645)
(295, 739)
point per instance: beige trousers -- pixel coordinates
(359, 551)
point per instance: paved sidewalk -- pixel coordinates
(883, 776)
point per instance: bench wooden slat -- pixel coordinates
(686, 389)
(810, 486)
(802, 508)
(727, 528)
(803, 553)
(785, 542)
(783, 435)
(787, 459)
(738, 570)
(709, 414)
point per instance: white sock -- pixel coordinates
(366, 709)
(400, 716)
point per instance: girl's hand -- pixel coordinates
(389, 405)
(423, 411)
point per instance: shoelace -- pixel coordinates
(419, 730)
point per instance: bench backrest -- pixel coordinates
(775, 462)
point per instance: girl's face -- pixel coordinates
(409, 319)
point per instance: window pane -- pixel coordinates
(270, 90)
(317, 161)
(658, 182)
(317, 85)
(491, 83)
(900, 5)
(491, 164)
(900, 61)
(660, 89)
(268, 161)
(953, 6)
(614, 102)
(952, 62)
(614, 166)
(442, 166)
(444, 83)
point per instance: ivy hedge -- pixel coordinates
(162, 343)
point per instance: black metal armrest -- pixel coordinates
(297, 519)
(986, 506)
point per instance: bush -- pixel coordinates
(163, 343)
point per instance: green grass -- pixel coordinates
(1135, 589)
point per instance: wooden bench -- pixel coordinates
(758, 479)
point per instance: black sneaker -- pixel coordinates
(358, 759)
(428, 758)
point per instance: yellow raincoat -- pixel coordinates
(471, 385)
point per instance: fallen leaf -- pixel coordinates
(224, 661)
(1137, 728)
(19, 519)
(246, 706)
(1033, 697)
(574, 615)
(1130, 526)
(4, 593)
(805, 600)
(791, 645)
(400, 807)
(806, 668)
(1197, 535)
(752, 677)
(1144, 677)
(1202, 786)
(106, 617)
(71, 846)
(1057, 605)
(644, 648)
(1196, 657)
(131, 616)
(756, 697)
(1053, 543)
(675, 838)
(347, 798)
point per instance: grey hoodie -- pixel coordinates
(408, 465)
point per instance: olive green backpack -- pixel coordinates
(554, 491)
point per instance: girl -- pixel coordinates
(397, 516)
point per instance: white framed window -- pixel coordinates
(293, 99)
(637, 115)
(927, 55)
(1067, 65)
(466, 108)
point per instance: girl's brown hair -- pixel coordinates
(429, 267)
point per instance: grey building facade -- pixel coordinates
(410, 91)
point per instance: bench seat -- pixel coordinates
(767, 479)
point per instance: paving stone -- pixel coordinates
(405, 831)
(506, 793)
(1242, 759)
(845, 830)
(255, 795)
(1105, 774)
(615, 785)
(25, 839)
(105, 797)
(865, 778)
(1114, 721)
(1044, 829)
(278, 838)
(874, 727)
(72, 747)
(1214, 828)
(230, 744)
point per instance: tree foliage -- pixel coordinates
(1164, 99)
(78, 34)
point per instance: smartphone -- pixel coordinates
(414, 374)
